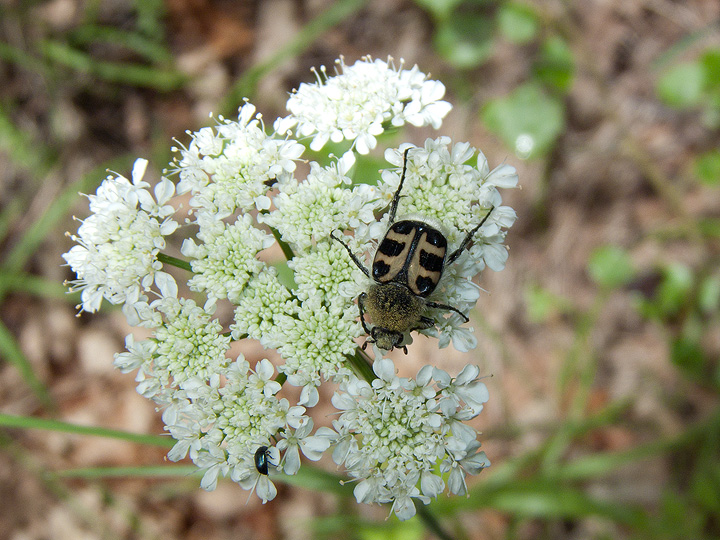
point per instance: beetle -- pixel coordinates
(262, 460)
(406, 269)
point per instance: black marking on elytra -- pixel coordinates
(391, 248)
(430, 261)
(380, 269)
(424, 285)
(436, 238)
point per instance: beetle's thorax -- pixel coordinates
(392, 306)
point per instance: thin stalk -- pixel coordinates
(362, 366)
(174, 261)
(430, 521)
(30, 422)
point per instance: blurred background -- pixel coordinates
(601, 336)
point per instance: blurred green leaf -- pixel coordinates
(149, 48)
(677, 519)
(518, 23)
(675, 288)
(707, 167)
(709, 295)
(555, 65)
(465, 40)
(682, 85)
(393, 530)
(141, 471)
(539, 498)
(441, 9)
(610, 267)
(687, 354)
(543, 304)
(10, 352)
(31, 422)
(528, 120)
(162, 80)
(710, 62)
(706, 486)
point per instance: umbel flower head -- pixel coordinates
(401, 440)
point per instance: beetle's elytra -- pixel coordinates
(262, 460)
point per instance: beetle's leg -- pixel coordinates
(361, 307)
(446, 307)
(424, 324)
(357, 262)
(396, 197)
(455, 254)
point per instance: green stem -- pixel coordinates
(362, 365)
(430, 521)
(287, 251)
(174, 261)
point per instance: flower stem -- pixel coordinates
(283, 245)
(431, 521)
(361, 363)
(174, 261)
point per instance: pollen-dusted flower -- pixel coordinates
(394, 433)
(363, 100)
(117, 245)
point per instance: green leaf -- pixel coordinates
(687, 354)
(441, 9)
(707, 167)
(710, 62)
(465, 40)
(709, 295)
(675, 288)
(610, 267)
(555, 66)
(682, 85)
(528, 120)
(706, 486)
(31, 422)
(518, 23)
(543, 304)
(10, 351)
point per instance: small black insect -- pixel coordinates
(407, 268)
(262, 460)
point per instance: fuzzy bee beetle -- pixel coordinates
(406, 269)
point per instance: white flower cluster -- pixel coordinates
(361, 101)
(399, 436)
(401, 439)
(117, 245)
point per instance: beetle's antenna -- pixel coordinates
(449, 308)
(396, 197)
(468, 238)
(357, 262)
